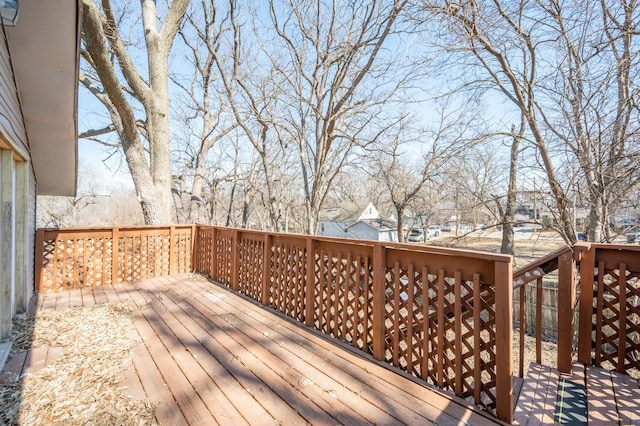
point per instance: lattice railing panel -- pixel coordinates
(77, 257)
(251, 255)
(288, 269)
(142, 256)
(486, 318)
(343, 297)
(182, 251)
(204, 251)
(76, 262)
(616, 325)
(223, 254)
(455, 348)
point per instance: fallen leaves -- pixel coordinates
(85, 385)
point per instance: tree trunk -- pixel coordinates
(508, 237)
(400, 213)
(152, 179)
(195, 204)
(594, 230)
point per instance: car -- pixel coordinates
(434, 230)
(416, 236)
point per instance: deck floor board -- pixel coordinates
(611, 398)
(204, 355)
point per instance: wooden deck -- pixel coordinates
(204, 355)
(588, 395)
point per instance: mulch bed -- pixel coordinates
(85, 385)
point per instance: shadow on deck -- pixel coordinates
(205, 355)
(588, 395)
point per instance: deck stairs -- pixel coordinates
(587, 396)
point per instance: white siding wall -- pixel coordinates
(391, 236)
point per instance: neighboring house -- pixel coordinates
(357, 220)
(333, 222)
(39, 59)
(374, 229)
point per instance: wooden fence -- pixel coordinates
(440, 314)
(87, 257)
(608, 301)
(562, 261)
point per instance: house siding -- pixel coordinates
(11, 121)
(362, 231)
(18, 201)
(331, 228)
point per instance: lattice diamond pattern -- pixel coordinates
(223, 259)
(287, 279)
(610, 330)
(343, 298)
(250, 268)
(441, 353)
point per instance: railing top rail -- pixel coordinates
(109, 228)
(539, 268)
(615, 254)
(623, 247)
(441, 251)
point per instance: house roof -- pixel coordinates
(45, 52)
(378, 224)
(347, 211)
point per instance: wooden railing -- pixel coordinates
(609, 334)
(87, 257)
(562, 264)
(443, 315)
(607, 293)
(440, 314)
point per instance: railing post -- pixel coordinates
(266, 270)
(504, 340)
(379, 300)
(585, 319)
(235, 259)
(115, 254)
(310, 282)
(566, 303)
(39, 260)
(212, 253)
(172, 249)
(194, 247)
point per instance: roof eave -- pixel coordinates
(45, 52)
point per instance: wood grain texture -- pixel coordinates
(204, 355)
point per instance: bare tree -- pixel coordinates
(405, 178)
(567, 68)
(596, 65)
(481, 31)
(507, 213)
(253, 100)
(206, 109)
(334, 77)
(112, 76)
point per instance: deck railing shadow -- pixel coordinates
(442, 315)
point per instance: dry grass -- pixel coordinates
(526, 250)
(85, 385)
